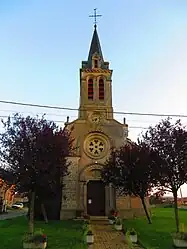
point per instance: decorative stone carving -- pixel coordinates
(95, 118)
(85, 175)
(96, 173)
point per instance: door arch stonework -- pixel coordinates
(91, 173)
(86, 173)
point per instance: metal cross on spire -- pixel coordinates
(95, 17)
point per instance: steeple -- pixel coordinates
(95, 46)
(95, 81)
(95, 56)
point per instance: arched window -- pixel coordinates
(90, 89)
(101, 90)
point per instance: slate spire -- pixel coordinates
(95, 55)
(95, 46)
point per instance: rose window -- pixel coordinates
(96, 147)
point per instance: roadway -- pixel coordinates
(13, 213)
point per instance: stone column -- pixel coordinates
(111, 197)
(80, 197)
(107, 200)
(85, 198)
(69, 192)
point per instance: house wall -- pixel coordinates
(7, 194)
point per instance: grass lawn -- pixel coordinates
(61, 234)
(158, 234)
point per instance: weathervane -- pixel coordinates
(95, 17)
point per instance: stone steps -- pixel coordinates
(98, 218)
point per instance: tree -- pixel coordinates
(35, 151)
(129, 169)
(170, 142)
(156, 197)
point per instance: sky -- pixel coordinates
(43, 42)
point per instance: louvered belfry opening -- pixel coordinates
(101, 90)
(90, 89)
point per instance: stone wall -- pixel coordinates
(130, 207)
(69, 194)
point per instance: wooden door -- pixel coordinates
(96, 198)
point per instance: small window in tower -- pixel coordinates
(90, 89)
(96, 63)
(101, 89)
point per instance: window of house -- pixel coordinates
(101, 89)
(90, 89)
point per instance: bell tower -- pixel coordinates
(95, 82)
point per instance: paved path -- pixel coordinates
(12, 214)
(105, 237)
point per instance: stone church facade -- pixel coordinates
(95, 132)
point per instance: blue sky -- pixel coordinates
(43, 43)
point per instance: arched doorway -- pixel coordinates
(96, 198)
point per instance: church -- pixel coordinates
(95, 132)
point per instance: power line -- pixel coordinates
(74, 117)
(37, 105)
(38, 113)
(75, 109)
(64, 115)
(63, 121)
